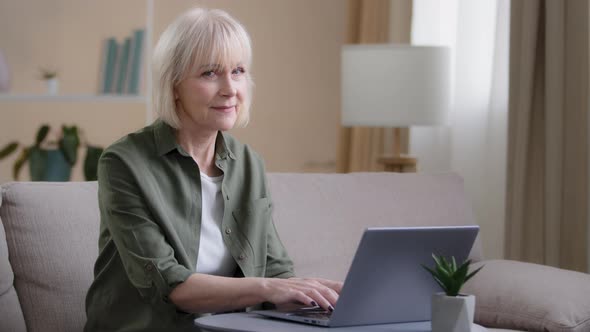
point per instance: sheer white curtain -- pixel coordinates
(474, 142)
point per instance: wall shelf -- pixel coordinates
(73, 98)
(92, 95)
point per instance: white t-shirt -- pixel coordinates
(214, 257)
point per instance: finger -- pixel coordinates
(317, 296)
(329, 294)
(302, 298)
(326, 293)
(335, 285)
(323, 295)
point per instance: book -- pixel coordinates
(136, 61)
(123, 67)
(103, 66)
(110, 64)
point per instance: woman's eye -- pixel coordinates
(209, 73)
(238, 71)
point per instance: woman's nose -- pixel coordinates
(227, 87)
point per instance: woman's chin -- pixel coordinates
(226, 124)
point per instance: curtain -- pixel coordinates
(547, 188)
(368, 23)
(473, 144)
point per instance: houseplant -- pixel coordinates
(451, 310)
(53, 160)
(51, 81)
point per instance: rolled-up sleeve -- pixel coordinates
(149, 260)
(278, 262)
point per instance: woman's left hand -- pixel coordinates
(303, 291)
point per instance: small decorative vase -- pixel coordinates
(52, 86)
(452, 313)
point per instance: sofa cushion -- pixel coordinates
(530, 297)
(11, 315)
(51, 232)
(321, 217)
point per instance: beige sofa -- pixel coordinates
(48, 244)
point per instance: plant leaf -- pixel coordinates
(447, 280)
(41, 134)
(8, 149)
(91, 162)
(69, 144)
(434, 274)
(440, 264)
(37, 163)
(442, 285)
(436, 278)
(442, 271)
(20, 161)
(472, 274)
(448, 275)
(462, 270)
(459, 277)
(447, 265)
(436, 259)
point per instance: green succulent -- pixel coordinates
(47, 73)
(36, 155)
(449, 275)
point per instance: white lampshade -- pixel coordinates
(388, 85)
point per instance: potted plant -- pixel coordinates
(50, 78)
(53, 160)
(451, 310)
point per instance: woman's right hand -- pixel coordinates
(306, 291)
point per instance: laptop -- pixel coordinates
(386, 282)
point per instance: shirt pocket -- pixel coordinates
(253, 219)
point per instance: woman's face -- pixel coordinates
(211, 97)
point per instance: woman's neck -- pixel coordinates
(200, 145)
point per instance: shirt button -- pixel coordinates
(241, 257)
(228, 231)
(149, 267)
(227, 197)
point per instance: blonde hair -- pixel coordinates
(198, 37)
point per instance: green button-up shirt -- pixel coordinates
(150, 206)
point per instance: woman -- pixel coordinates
(186, 224)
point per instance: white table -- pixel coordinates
(247, 322)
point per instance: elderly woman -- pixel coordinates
(186, 223)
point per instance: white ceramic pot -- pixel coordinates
(452, 313)
(52, 86)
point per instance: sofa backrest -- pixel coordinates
(11, 315)
(52, 231)
(320, 217)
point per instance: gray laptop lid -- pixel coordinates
(386, 282)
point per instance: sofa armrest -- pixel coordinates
(532, 297)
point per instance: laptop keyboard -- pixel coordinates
(314, 312)
(325, 315)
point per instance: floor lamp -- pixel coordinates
(395, 85)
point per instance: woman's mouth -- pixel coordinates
(224, 109)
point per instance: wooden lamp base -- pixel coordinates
(398, 162)
(402, 164)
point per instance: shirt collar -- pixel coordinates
(166, 142)
(222, 149)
